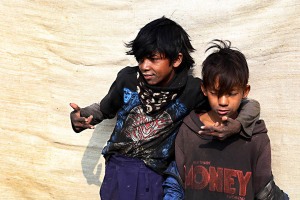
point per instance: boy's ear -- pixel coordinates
(178, 60)
(246, 91)
(203, 89)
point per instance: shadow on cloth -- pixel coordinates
(93, 163)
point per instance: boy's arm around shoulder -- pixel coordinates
(248, 115)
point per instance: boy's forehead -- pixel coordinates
(216, 86)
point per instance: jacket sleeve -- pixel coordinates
(248, 115)
(94, 110)
(86, 112)
(110, 104)
(172, 185)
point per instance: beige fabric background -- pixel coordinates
(56, 52)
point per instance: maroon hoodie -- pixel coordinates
(236, 168)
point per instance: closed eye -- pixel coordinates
(212, 92)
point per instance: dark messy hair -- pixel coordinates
(226, 65)
(162, 36)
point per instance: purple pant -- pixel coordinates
(129, 179)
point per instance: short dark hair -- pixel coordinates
(162, 36)
(225, 64)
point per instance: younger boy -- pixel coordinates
(150, 101)
(236, 168)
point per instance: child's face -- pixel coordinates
(226, 104)
(157, 69)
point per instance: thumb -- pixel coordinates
(217, 124)
(225, 118)
(75, 106)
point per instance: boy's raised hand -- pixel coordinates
(222, 131)
(79, 123)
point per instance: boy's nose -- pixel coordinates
(144, 64)
(223, 100)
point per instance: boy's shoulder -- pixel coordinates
(127, 74)
(126, 77)
(193, 78)
(193, 83)
(129, 70)
(260, 128)
(260, 136)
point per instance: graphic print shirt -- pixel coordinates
(149, 137)
(236, 168)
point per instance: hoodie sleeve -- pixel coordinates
(264, 185)
(263, 170)
(248, 116)
(271, 192)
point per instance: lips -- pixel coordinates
(147, 76)
(223, 112)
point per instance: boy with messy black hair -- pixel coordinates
(236, 168)
(150, 101)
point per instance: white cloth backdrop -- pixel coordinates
(56, 52)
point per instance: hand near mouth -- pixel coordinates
(222, 131)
